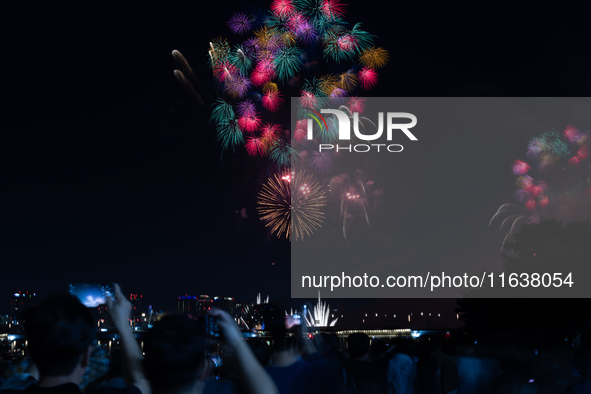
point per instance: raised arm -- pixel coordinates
(120, 310)
(255, 376)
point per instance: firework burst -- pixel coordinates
(562, 193)
(292, 203)
(374, 57)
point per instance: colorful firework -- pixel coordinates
(292, 205)
(562, 162)
(286, 44)
(284, 41)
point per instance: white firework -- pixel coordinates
(259, 300)
(320, 317)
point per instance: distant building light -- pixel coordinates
(103, 330)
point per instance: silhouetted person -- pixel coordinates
(176, 359)
(402, 369)
(61, 334)
(367, 376)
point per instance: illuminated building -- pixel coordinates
(20, 303)
(199, 305)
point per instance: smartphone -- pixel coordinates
(92, 294)
(293, 320)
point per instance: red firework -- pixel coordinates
(357, 104)
(249, 123)
(520, 167)
(368, 77)
(272, 100)
(255, 146)
(530, 205)
(333, 9)
(282, 8)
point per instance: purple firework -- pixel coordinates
(240, 23)
(322, 162)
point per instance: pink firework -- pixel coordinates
(526, 181)
(347, 43)
(272, 100)
(249, 123)
(583, 153)
(299, 134)
(223, 71)
(572, 134)
(255, 146)
(308, 100)
(266, 64)
(530, 205)
(302, 124)
(534, 190)
(259, 77)
(520, 167)
(574, 161)
(240, 23)
(332, 9)
(356, 104)
(282, 8)
(544, 202)
(295, 21)
(368, 77)
(270, 132)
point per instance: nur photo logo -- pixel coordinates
(343, 124)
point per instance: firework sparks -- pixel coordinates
(272, 100)
(562, 193)
(240, 23)
(374, 57)
(321, 315)
(368, 78)
(292, 206)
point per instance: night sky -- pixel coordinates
(110, 172)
